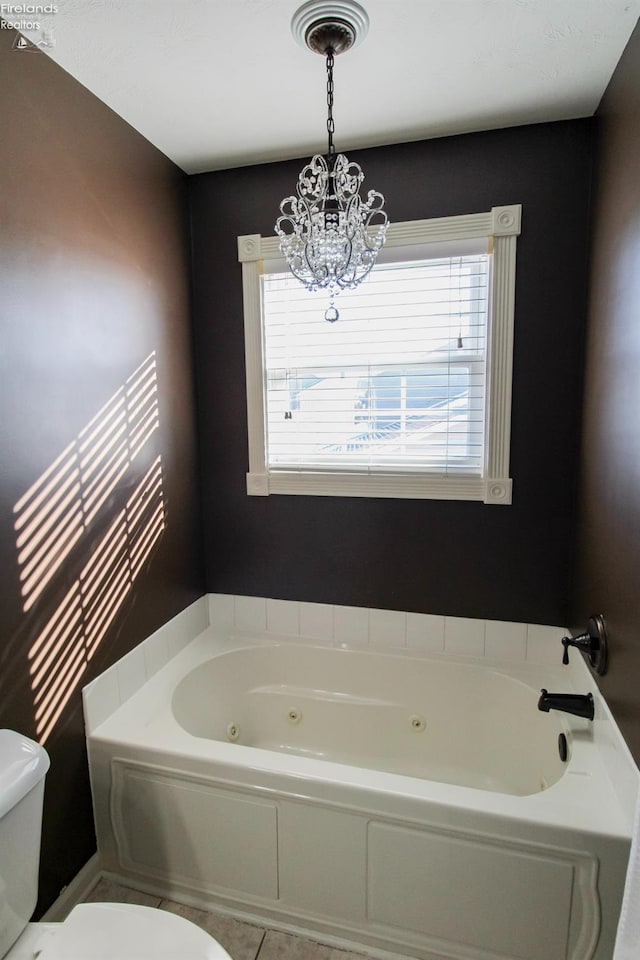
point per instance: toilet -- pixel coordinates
(92, 931)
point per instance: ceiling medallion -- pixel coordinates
(329, 234)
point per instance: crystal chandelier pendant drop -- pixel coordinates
(329, 234)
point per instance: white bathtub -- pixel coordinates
(412, 806)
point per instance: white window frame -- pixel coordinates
(501, 227)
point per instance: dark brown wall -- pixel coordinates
(465, 559)
(608, 555)
(94, 276)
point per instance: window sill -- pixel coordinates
(414, 486)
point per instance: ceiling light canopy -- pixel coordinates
(329, 234)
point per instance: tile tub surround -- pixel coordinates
(124, 678)
(324, 624)
(387, 629)
(360, 628)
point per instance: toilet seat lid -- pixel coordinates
(125, 931)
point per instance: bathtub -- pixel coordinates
(411, 806)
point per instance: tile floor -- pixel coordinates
(243, 941)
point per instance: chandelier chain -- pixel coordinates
(330, 124)
(329, 234)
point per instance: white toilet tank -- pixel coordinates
(23, 765)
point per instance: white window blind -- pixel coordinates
(396, 384)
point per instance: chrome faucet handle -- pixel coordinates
(592, 643)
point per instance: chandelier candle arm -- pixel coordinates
(329, 235)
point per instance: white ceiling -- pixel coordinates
(222, 83)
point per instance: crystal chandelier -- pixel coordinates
(329, 234)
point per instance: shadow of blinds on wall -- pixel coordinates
(60, 654)
(56, 522)
(52, 515)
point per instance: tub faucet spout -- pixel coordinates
(580, 705)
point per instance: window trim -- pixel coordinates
(500, 226)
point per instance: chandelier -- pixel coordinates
(329, 234)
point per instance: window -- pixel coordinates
(408, 394)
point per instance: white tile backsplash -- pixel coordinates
(156, 652)
(504, 640)
(189, 623)
(464, 636)
(387, 628)
(351, 626)
(316, 621)
(283, 616)
(132, 673)
(425, 632)
(221, 610)
(178, 641)
(544, 644)
(178, 631)
(100, 698)
(116, 685)
(250, 614)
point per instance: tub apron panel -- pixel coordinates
(434, 892)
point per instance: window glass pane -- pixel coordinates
(397, 383)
